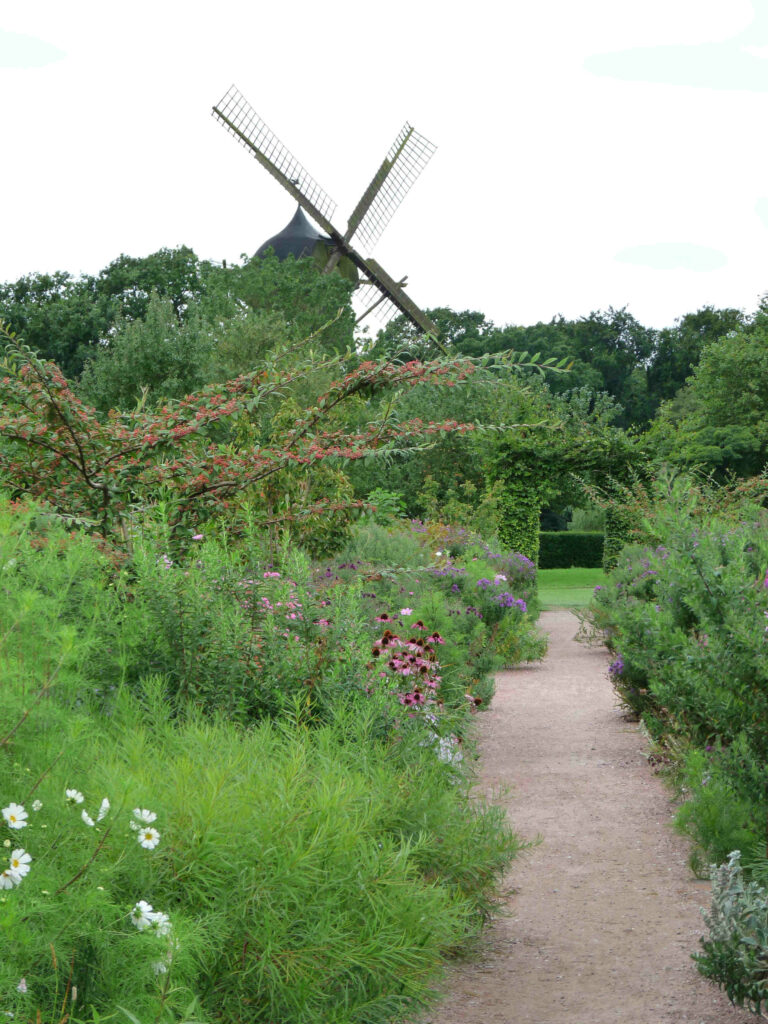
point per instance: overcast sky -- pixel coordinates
(590, 152)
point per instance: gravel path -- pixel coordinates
(604, 913)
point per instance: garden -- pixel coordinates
(237, 745)
(257, 574)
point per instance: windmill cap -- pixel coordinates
(298, 238)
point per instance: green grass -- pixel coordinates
(567, 588)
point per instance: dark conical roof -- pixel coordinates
(298, 238)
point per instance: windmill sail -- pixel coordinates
(242, 121)
(408, 156)
(406, 159)
(397, 300)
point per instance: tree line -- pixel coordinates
(152, 329)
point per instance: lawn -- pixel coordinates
(567, 588)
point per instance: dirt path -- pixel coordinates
(605, 913)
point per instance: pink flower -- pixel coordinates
(406, 611)
(197, 536)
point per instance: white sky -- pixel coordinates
(590, 152)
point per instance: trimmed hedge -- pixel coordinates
(568, 548)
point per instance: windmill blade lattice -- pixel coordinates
(408, 156)
(242, 121)
(373, 300)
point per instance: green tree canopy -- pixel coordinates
(719, 420)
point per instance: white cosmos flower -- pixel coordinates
(87, 818)
(161, 923)
(103, 810)
(148, 838)
(20, 861)
(37, 804)
(8, 879)
(142, 915)
(143, 816)
(15, 816)
(74, 796)
(159, 967)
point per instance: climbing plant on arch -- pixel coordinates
(541, 460)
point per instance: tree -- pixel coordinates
(65, 318)
(607, 351)
(297, 292)
(60, 316)
(129, 282)
(719, 420)
(678, 349)
(466, 333)
(150, 359)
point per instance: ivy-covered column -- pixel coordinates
(618, 523)
(520, 504)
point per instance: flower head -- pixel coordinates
(37, 805)
(406, 611)
(142, 915)
(15, 816)
(142, 815)
(20, 861)
(161, 923)
(74, 796)
(8, 879)
(87, 818)
(148, 838)
(103, 810)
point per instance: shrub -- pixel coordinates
(382, 545)
(568, 548)
(587, 520)
(515, 642)
(735, 953)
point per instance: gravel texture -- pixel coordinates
(604, 913)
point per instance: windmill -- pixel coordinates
(406, 159)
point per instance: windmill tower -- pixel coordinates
(406, 159)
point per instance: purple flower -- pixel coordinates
(616, 668)
(508, 600)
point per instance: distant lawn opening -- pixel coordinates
(567, 588)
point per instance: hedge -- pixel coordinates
(568, 548)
